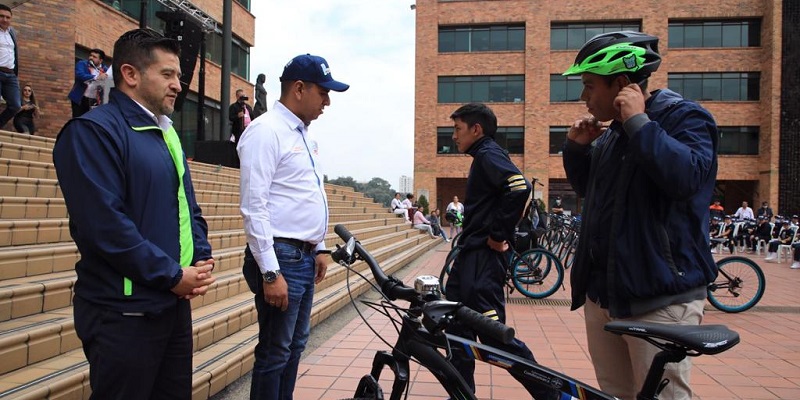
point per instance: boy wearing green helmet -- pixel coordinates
(647, 179)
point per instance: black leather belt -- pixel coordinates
(305, 247)
(6, 70)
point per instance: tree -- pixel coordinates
(423, 204)
(380, 190)
(349, 182)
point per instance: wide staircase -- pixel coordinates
(40, 354)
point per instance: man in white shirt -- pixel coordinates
(9, 68)
(399, 208)
(285, 214)
(744, 212)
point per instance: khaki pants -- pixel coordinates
(621, 362)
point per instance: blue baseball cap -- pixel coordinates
(315, 69)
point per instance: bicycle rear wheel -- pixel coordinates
(739, 285)
(448, 263)
(537, 273)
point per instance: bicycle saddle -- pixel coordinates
(704, 339)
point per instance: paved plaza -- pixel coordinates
(765, 365)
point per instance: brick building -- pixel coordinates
(510, 54)
(54, 34)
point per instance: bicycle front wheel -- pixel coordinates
(537, 273)
(739, 285)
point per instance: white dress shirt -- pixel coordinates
(744, 213)
(7, 49)
(281, 189)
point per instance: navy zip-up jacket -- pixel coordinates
(120, 186)
(495, 198)
(655, 249)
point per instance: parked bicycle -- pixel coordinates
(537, 273)
(739, 286)
(422, 337)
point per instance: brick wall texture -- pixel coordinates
(750, 178)
(49, 30)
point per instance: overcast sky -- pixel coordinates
(367, 131)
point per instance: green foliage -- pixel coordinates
(377, 188)
(423, 204)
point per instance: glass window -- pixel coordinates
(481, 38)
(728, 86)
(511, 139)
(481, 88)
(558, 134)
(572, 36)
(444, 141)
(715, 33)
(565, 88)
(738, 140)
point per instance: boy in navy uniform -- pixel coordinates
(496, 197)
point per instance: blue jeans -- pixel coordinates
(282, 336)
(9, 88)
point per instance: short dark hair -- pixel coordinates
(477, 113)
(7, 8)
(410, 196)
(99, 52)
(136, 47)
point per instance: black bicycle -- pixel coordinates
(421, 337)
(537, 273)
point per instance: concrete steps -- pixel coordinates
(40, 352)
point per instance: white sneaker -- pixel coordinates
(795, 265)
(771, 256)
(714, 251)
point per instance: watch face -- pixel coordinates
(270, 276)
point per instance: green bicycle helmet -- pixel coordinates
(628, 52)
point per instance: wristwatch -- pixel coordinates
(271, 276)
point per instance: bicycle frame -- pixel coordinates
(422, 338)
(416, 342)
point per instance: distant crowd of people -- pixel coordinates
(747, 231)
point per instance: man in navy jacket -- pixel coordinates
(135, 220)
(91, 69)
(647, 181)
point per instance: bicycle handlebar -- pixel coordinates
(435, 310)
(485, 326)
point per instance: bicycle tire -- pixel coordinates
(739, 286)
(537, 273)
(448, 263)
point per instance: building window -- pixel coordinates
(185, 122)
(245, 4)
(686, 34)
(558, 134)
(740, 140)
(240, 53)
(565, 88)
(444, 141)
(572, 36)
(511, 138)
(482, 88)
(724, 86)
(481, 38)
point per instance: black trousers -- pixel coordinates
(145, 357)
(477, 280)
(82, 108)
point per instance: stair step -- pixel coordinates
(26, 152)
(224, 338)
(26, 139)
